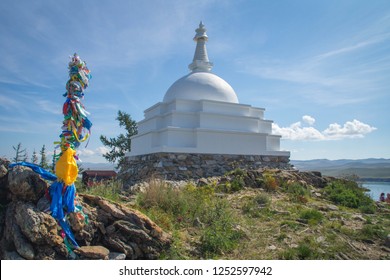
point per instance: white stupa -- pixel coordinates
(201, 114)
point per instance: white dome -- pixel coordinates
(199, 86)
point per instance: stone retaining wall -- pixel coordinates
(180, 166)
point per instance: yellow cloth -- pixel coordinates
(66, 167)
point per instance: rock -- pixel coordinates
(358, 217)
(93, 252)
(43, 204)
(22, 245)
(202, 182)
(368, 241)
(328, 207)
(320, 239)
(272, 247)
(46, 253)
(387, 241)
(134, 234)
(38, 227)
(198, 223)
(3, 171)
(282, 212)
(344, 256)
(76, 221)
(11, 256)
(386, 249)
(28, 232)
(4, 163)
(111, 209)
(116, 256)
(332, 207)
(114, 242)
(24, 184)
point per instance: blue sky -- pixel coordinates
(321, 69)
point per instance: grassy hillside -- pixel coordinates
(269, 215)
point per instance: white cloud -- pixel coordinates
(308, 119)
(296, 131)
(49, 107)
(102, 150)
(98, 151)
(86, 152)
(351, 129)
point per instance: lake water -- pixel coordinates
(376, 188)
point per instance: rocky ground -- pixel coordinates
(104, 230)
(272, 219)
(268, 215)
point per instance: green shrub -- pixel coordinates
(312, 216)
(349, 194)
(297, 192)
(237, 184)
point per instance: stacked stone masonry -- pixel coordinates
(180, 166)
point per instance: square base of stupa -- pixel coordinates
(184, 166)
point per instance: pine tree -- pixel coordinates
(20, 154)
(43, 162)
(34, 157)
(53, 163)
(25, 156)
(122, 143)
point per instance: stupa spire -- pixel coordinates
(201, 62)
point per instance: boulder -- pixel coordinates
(387, 241)
(116, 256)
(93, 252)
(24, 184)
(4, 163)
(3, 180)
(38, 227)
(103, 229)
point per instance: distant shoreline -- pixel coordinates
(379, 180)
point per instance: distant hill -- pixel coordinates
(366, 169)
(97, 166)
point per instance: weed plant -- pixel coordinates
(178, 208)
(236, 184)
(270, 184)
(220, 234)
(255, 206)
(297, 192)
(109, 189)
